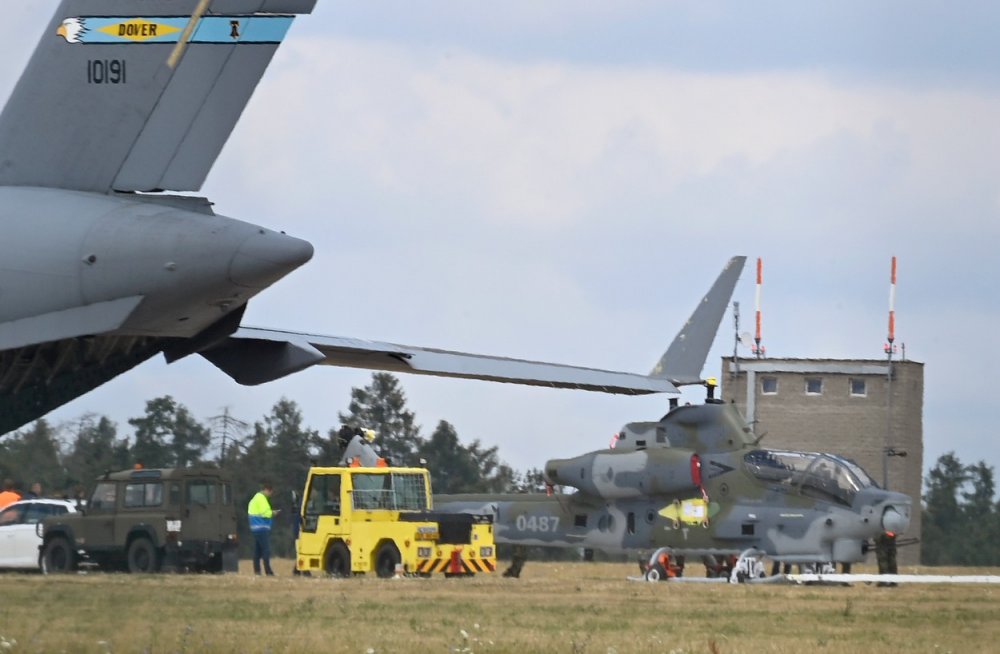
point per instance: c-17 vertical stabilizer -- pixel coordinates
(98, 108)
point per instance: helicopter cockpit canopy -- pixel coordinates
(826, 477)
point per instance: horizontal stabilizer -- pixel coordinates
(99, 109)
(84, 320)
(264, 355)
(685, 358)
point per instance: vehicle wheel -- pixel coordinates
(58, 556)
(214, 566)
(142, 557)
(338, 560)
(656, 572)
(386, 559)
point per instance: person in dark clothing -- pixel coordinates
(517, 559)
(885, 554)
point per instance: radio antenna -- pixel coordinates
(759, 349)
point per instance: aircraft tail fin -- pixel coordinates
(684, 359)
(98, 108)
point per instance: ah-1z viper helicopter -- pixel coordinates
(698, 483)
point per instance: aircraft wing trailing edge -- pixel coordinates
(254, 356)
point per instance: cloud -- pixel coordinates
(895, 43)
(539, 143)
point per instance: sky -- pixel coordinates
(562, 181)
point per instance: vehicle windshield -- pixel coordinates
(399, 492)
(103, 498)
(820, 476)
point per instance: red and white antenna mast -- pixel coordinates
(758, 349)
(888, 449)
(889, 347)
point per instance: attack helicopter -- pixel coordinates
(698, 483)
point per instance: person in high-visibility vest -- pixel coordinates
(260, 513)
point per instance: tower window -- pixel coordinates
(814, 386)
(769, 385)
(859, 388)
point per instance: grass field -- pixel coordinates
(554, 607)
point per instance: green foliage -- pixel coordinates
(532, 481)
(152, 432)
(290, 443)
(32, 455)
(382, 406)
(961, 521)
(96, 449)
(456, 468)
(168, 435)
(190, 439)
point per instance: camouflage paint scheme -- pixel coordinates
(796, 507)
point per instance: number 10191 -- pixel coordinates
(105, 71)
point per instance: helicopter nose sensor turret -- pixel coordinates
(894, 520)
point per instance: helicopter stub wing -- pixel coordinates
(254, 356)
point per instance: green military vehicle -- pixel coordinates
(147, 520)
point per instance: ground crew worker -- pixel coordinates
(8, 495)
(260, 514)
(517, 558)
(885, 554)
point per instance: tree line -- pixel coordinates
(961, 518)
(278, 448)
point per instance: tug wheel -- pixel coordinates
(338, 560)
(386, 559)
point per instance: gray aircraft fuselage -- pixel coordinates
(697, 483)
(66, 249)
(92, 285)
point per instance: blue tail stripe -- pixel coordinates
(210, 29)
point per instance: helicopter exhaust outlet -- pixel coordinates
(628, 474)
